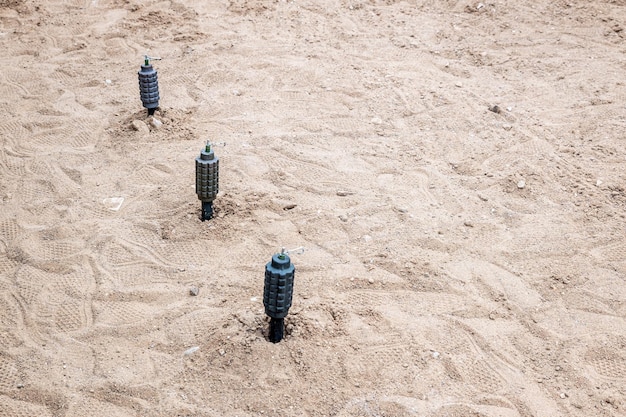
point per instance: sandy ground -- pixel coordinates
(459, 260)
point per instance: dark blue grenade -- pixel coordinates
(278, 293)
(149, 86)
(207, 179)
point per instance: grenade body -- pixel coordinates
(149, 87)
(278, 293)
(207, 180)
(278, 289)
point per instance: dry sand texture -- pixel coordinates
(459, 261)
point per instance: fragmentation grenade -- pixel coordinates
(278, 292)
(207, 179)
(149, 86)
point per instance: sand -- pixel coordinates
(453, 169)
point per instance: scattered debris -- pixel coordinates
(113, 203)
(191, 350)
(344, 193)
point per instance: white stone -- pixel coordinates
(113, 203)
(191, 350)
(156, 123)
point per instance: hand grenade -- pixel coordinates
(149, 86)
(278, 292)
(207, 179)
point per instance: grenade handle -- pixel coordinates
(298, 251)
(147, 59)
(210, 144)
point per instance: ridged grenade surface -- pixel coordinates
(207, 176)
(278, 289)
(149, 87)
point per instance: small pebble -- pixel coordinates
(435, 354)
(191, 350)
(156, 123)
(343, 218)
(139, 126)
(521, 184)
(495, 109)
(222, 352)
(370, 280)
(468, 224)
(377, 120)
(458, 84)
(193, 291)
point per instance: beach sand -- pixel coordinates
(453, 169)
